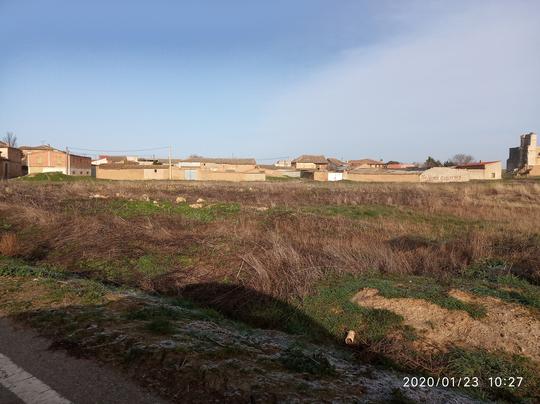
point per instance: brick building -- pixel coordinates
(10, 161)
(47, 159)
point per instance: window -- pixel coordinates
(492, 175)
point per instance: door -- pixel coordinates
(191, 175)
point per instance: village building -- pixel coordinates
(484, 170)
(326, 176)
(218, 164)
(272, 170)
(310, 162)
(396, 165)
(10, 161)
(335, 164)
(164, 172)
(115, 160)
(525, 159)
(366, 163)
(46, 159)
(432, 175)
(283, 163)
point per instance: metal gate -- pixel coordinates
(191, 175)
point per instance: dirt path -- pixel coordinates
(506, 326)
(31, 373)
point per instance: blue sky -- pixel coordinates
(382, 79)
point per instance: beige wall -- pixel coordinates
(305, 166)
(535, 171)
(177, 174)
(217, 166)
(444, 174)
(310, 166)
(37, 170)
(226, 167)
(11, 166)
(381, 177)
(491, 171)
(155, 173)
(320, 175)
(119, 174)
(205, 175)
(281, 173)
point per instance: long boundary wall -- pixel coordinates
(162, 173)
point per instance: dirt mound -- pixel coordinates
(506, 326)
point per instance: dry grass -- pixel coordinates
(9, 245)
(286, 241)
(437, 230)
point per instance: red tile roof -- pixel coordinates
(365, 161)
(480, 164)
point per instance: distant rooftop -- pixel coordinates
(364, 161)
(40, 147)
(479, 165)
(239, 161)
(336, 161)
(315, 159)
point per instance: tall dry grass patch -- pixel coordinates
(9, 245)
(424, 229)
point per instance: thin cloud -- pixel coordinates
(469, 84)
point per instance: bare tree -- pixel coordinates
(461, 158)
(10, 139)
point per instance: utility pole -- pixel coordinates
(67, 161)
(170, 164)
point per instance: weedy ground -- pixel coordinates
(291, 256)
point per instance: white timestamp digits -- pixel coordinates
(421, 381)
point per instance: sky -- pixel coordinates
(391, 80)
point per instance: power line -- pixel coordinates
(118, 151)
(273, 158)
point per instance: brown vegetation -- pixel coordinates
(249, 246)
(285, 250)
(8, 244)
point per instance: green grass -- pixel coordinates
(84, 291)
(483, 364)
(493, 278)
(420, 287)
(162, 319)
(331, 304)
(331, 307)
(208, 213)
(453, 224)
(281, 179)
(56, 177)
(16, 267)
(148, 266)
(314, 363)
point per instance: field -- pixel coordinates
(434, 279)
